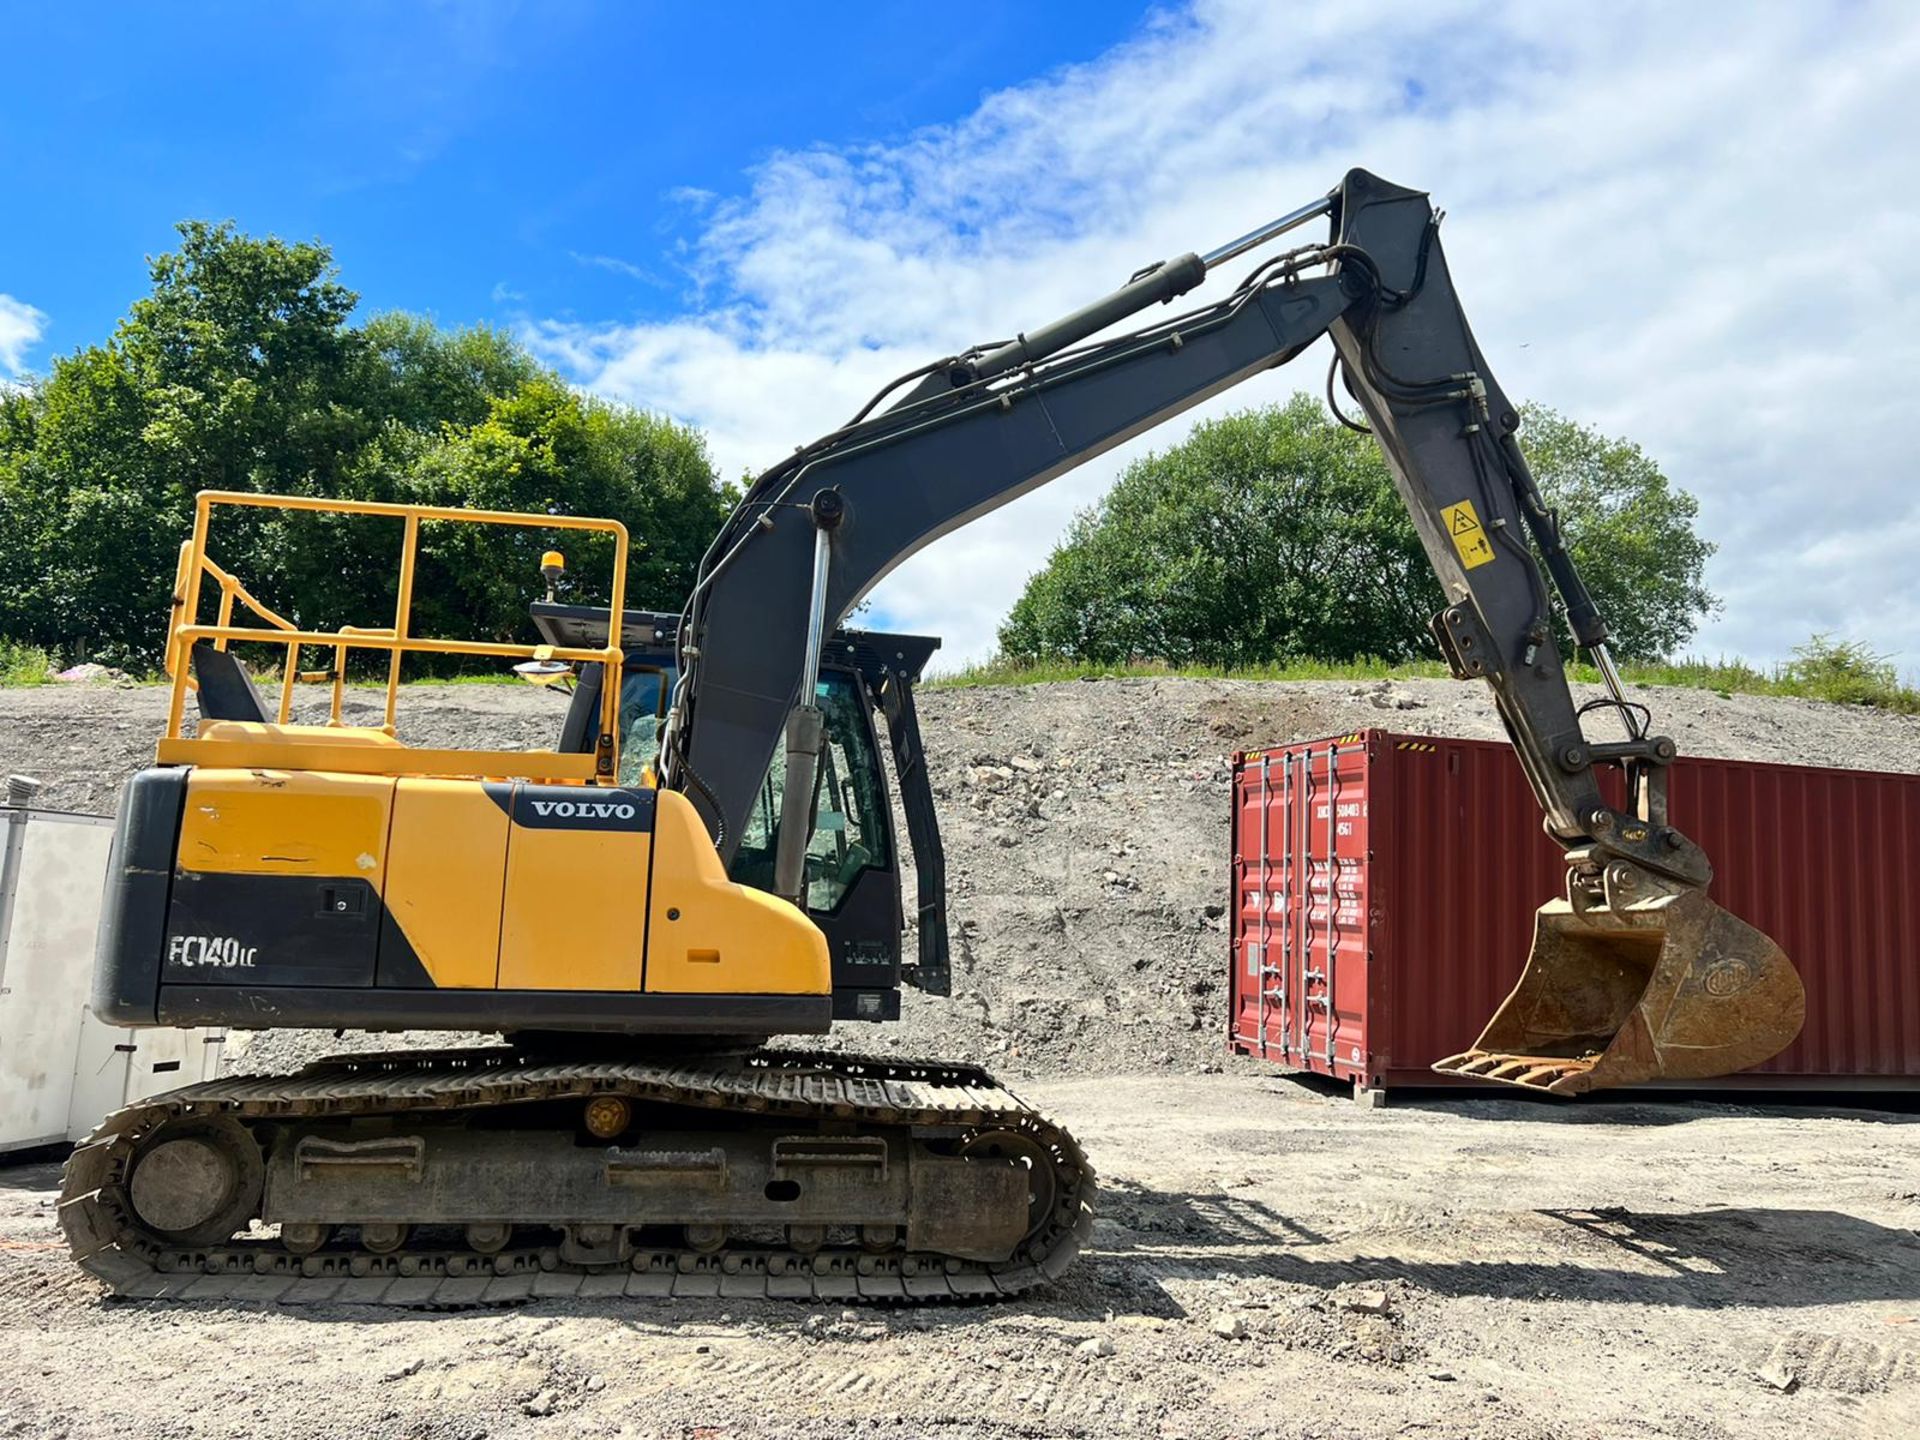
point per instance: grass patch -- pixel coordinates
(22, 664)
(1839, 672)
(1007, 672)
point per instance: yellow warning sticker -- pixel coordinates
(1469, 536)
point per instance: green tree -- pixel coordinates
(1275, 534)
(229, 374)
(1631, 531)
(1264, 535)
(544, 449)
(242, 369)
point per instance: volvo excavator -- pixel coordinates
(706, 860)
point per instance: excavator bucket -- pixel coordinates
(1670, 987)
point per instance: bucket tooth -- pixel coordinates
(1669, 986)
(1544, 1075)
(1468, 1062)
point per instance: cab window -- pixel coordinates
(849, 803)
(643, 708)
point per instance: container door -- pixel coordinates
(1330, 946)
(1262, 993)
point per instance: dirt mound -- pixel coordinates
(1085, 828)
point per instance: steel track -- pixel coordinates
(108, 1240)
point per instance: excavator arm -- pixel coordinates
(1634, 975)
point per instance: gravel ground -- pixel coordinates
(1271, 1260)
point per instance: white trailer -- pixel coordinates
(61, 1070)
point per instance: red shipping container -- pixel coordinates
(1392, 954)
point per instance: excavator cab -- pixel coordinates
(853, 862)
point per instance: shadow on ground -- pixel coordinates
(1642, 1106)
(1735, 1255)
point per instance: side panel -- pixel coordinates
(446, 883)
(706, 934)
(1462, 862)
(114, 1066)
(1825, 861)
(103, 1071)
(575, 909)
(53, 867)
(61, 1069)
(1828, 863)
(278, 879)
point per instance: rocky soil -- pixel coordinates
(1085, 826)
(1271, 1260)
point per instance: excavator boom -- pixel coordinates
(1636, 975)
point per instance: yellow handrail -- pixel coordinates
(397, 639)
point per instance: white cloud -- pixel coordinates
(1691, 225)
(21, 327)
(614, 265)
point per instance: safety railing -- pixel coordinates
(309, 747)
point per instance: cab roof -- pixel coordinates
(647, 638)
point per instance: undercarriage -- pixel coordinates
(472, 1177)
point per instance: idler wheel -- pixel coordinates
(196, 1181)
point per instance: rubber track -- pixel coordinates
(108, 1242)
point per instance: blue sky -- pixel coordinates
(1692, 225)
(478, 161)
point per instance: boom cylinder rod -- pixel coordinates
(817, 608)
(1603, 661)
(1272, 230)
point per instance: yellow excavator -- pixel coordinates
(706, 860)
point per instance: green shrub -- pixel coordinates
(1847, 672)
(22, 664)
(1841, 672)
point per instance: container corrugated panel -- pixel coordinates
(1441, 862)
